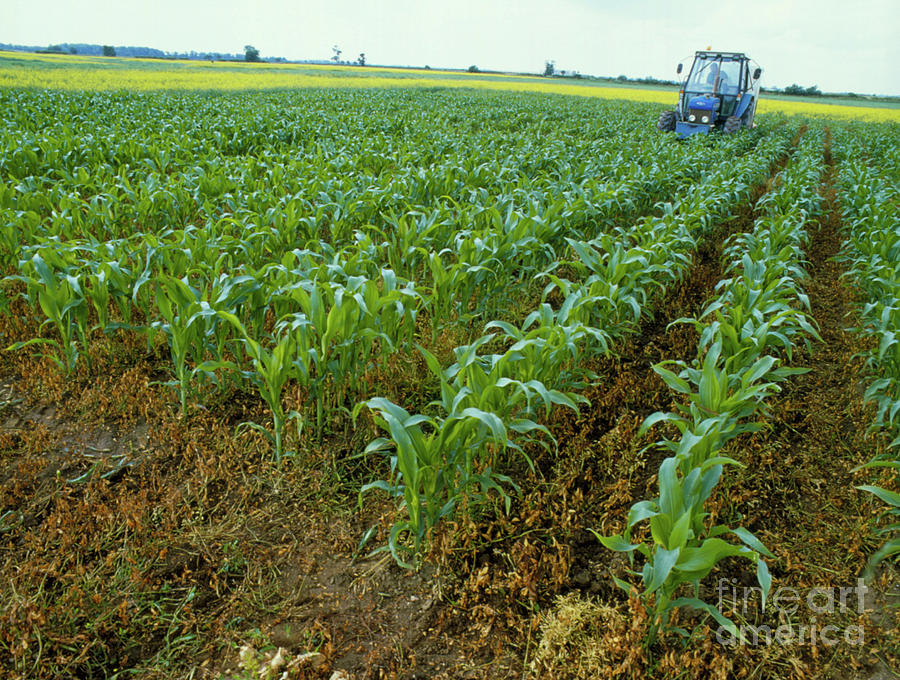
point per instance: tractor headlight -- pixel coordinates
(705, 119)
(692, 118)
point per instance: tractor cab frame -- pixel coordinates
(720, 91)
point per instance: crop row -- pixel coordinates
(871, 216)
(432, 215)
(746, 338)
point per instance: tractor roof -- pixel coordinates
(724, 55)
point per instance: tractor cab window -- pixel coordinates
(705, 72)
(729, 77)
(703, 75)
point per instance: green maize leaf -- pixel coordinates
(676, 383)
(663, 562)
(889, 549)
(655, 418)
(33, 341)
(701, 559)
(759, 369)
(432, 361)
(376, 446)
(878, 463)
(764, 578)
(640, 511)
(627, 587)
(709, 478)
(489, 420)
(748, 539)
(700, 605)
(719, 461)
(378, 485)
(892, 498)
(681, 532)
(394, 546)
(670, 495)
(510, 330)
(661, 528)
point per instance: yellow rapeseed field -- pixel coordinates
(20, 69)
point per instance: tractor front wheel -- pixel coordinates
(666, 122)
(732, 125)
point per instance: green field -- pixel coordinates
(425, 381)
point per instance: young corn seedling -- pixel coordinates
(431, 472)
(453, 285)
(272, 368)
(394, 310)
(180, 306)
(110, 282)
(547, 351)
(682, 550)
(62, 301)
(736, 384)
(97, 291)
(487, 385)
(892, 498)
(311, 324)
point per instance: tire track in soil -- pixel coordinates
(599, 472)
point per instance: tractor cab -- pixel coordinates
(719, 91)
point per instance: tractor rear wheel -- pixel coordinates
(666, 122)
(732, 125)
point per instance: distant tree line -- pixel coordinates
(551, 71)
(813, 91)
(650, 80)
(251, 53)
(91, 50)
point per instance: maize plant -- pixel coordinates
(735, 385)
(432, 470)
(273, 367)
(61, 299)
(684, 549)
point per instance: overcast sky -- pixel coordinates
(838, 45)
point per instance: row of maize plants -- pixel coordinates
(747, 334)
(870, 200)
(490, 403)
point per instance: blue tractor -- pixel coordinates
(720, 92)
